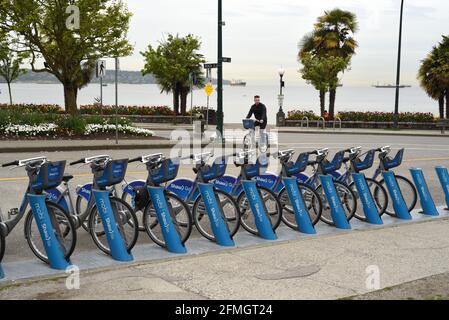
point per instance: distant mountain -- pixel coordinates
(128, 77)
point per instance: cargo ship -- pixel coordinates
(237, 83)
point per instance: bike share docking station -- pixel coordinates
(369, 207)
(116, 243)
(443, 176)
(164, 215)
(54, 251)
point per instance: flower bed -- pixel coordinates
(127, 110)
(33, 108)
(416, 117)
(110, 128)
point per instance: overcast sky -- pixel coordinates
(261, 35)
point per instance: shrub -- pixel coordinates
(33, 108)
(127, 110)
(72, 125)
(385, 116)
(301, 114)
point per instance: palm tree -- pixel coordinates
(333, 36)
(433, 75)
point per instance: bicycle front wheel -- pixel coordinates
(126, 223)
(230, 215)
(348, 201)
(272, 204)
(63, 228)
(180, 216)
(2, 246)
(379, 194)
(408, 191)
(312, 203)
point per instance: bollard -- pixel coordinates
(52, 247)
(400, 207)
(169, 232)
(427, 203)
(214, 210)
(443, 176)
(337, 211)
(301, 214)
(117, 246)
(369, 207)
(259, 211)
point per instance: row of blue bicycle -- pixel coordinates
(217, 204)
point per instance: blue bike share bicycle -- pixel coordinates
(160, 171)
(354, 164)
(289, 169)
(42, 175)
(107, 173)
(249, 169)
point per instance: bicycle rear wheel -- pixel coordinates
(408, 191)
(347, 198)
(126, 223)
(128, 198)
(63, 228)
(312, 202)
(272, 204)
(180, 216)
(379, 194)
(230, 214)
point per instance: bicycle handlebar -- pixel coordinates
(10, 164)
(77, 162)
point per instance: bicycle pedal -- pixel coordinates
(13, 212)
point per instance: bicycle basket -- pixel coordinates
(335, 164)
(390, 163)
(257, 169)
(299, 166)
(248, 124)
(367, 163)
(166, 171)
(112, 174)
(217, 170)
(49, 176)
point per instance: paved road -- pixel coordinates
(424, 152)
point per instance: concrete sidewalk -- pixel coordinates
(326, 267)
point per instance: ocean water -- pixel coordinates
(237, 100)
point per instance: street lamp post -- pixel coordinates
(220, 70)
(398, 74)
(280, 117)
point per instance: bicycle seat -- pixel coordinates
(67, 177)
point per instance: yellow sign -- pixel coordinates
(209, 89)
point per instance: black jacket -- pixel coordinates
(259, 112)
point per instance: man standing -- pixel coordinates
(259, 110)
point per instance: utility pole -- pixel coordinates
(116, 99)
(398, 74)
(220, 70)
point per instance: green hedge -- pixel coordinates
(32, 108)
(301, 114)
(386, 116)
(128, 110)
(367, 116)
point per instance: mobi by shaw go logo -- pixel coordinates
(163, 213)
(213, 209)
(41, 216)
(107, 219)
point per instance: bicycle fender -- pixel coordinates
(267, 180)
(130, 187)
(181, 187)
(84, 191)
(53, 195)
(226, 183)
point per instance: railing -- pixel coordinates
(307, 122)
(339, 122)
(324, 123)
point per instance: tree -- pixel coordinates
(10, 63)
(322, 72)
(49, 30)
(172, 64)
(332, 37)
(433, 75)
